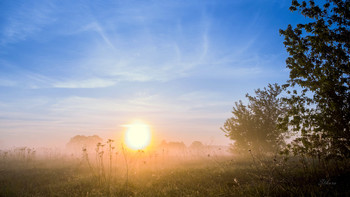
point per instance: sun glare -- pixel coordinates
(137, 136)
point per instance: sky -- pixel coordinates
(89, 67)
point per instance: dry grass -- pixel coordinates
(60, 175)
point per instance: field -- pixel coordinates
(23, 173)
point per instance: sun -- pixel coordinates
(137, 135)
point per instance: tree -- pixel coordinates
(319, 63)
(79, 141)
(254, 127)
(197, 145)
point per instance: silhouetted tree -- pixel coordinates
(319, 63)
(196, 145)
(254, 127)
(79, 141)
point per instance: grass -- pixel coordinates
(222, 176)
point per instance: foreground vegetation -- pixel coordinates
(203, 176)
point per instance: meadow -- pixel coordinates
(107, 172)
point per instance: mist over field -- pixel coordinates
(174, 98)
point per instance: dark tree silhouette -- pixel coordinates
(319, 63)
(254, 127)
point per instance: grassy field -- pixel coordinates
(60, 175)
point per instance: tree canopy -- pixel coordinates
(254, 126)
(319, 63)
(79, 141)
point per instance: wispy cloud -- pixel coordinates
(86, 83)
(70, 66)
(7, 83)
(95, 26)
(25, 20)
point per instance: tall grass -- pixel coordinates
(46, 173)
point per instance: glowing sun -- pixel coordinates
(137, 135)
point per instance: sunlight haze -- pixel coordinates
(86, 67)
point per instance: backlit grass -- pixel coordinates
(205, 176)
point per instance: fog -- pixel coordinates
(95, 152)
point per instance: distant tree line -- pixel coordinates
(315, 104)
(79, 142)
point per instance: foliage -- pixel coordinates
(79, 141)
(319, 63)
(254, 127)
(64, 176)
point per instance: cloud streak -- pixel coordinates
(68, 66)
(87, 83)
(26, 20)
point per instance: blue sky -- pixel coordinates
(88, 67)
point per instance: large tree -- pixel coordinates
(319, 63)
(254, 126)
